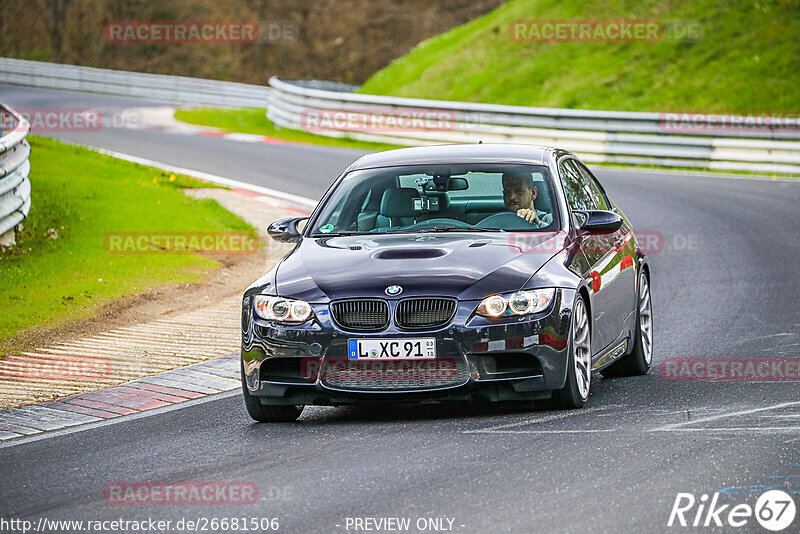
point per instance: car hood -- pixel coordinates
(466, 266)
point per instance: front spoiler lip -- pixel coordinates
(513, 390)
(319, 384)
(469, 384)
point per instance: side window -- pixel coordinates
(576, 187)
(594, 188)
(356, 197)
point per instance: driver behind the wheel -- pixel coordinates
(519, 194)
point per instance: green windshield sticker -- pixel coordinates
(327, 228)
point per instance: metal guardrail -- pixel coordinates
(597, 136)
(178, 90)
(15, 187)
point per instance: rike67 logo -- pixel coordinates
(774, 510)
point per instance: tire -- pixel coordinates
(268, 414)
(575, 392)
(638, 361)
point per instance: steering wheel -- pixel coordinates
(507, 221)
(441, 221)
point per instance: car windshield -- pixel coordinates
(440, 198)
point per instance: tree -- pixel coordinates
(55, 12)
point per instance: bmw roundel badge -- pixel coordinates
(394, 290)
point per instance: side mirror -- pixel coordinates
(598, 221)
(285, 230)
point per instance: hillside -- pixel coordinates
(344, 40)
(747, 59)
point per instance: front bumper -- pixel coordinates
(478, 359)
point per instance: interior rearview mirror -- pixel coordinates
(457, 184)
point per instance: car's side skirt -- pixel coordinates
(612, 354)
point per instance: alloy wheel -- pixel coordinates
(646, 319)
(581, 349)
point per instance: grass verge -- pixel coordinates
(254, 121)
(746, 58)
(60, 270)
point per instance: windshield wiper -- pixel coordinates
(460, 229)
(340, 234)
(442, 229)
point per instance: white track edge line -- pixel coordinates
(221, 180)
(120, 419)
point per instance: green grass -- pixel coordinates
(83, 196)
(254, 121)
(748, 59)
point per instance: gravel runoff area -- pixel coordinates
(169, 341)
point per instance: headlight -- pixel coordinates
(517, 303)
(282, 309)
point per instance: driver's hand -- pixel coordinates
(529, 215)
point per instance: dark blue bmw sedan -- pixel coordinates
(472, 273)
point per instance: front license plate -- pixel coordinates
(392, 349)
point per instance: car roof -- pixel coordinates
(472, 153)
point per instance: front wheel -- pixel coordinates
(575, 392)
(268, 414)
(638, 361)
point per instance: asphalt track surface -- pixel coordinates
(724, 286)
